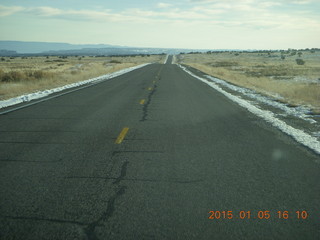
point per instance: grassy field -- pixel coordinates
(276, 74)
(22, 75)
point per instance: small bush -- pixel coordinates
(35, 75)
(13, 76)
(225, 64)
(1, 74)
(300, 61)
(115, 61)
(38, 74)
(58, 60)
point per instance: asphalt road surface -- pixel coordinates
(149, 155)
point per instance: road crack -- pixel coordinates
(90, 229)
(145, 107)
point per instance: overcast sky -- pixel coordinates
(205, 24)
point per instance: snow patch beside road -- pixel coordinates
(41, 94)
(298, 112)
(299, 135)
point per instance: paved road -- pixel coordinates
(66, 173)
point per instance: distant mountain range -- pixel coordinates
(39, 47)
(17, 48)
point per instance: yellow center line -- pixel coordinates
(150, 88)
(122, 135)
(142, 101)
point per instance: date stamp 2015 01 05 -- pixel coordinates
(263, 214)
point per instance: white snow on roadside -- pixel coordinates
(298, 112)
(299, 135)
(41, 94)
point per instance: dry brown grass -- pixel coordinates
(20, 75)
(265, 73)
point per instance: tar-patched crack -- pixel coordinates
(122, 173)
(145, 107)
(90, 229)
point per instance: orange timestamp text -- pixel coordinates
(265, 214)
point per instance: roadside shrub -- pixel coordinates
(300, 61)
(38, 74)
(224, 64)
(1, 74)
(115, 61)
(59, 60)
(13, 76)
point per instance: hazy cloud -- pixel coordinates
(242, 13)
(302, 2)
(7, 11)
(164, 5)
(45, 11)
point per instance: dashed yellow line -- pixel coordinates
(142, 101)
(122, 135)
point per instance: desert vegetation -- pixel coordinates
(20, 75)
(291, 76)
